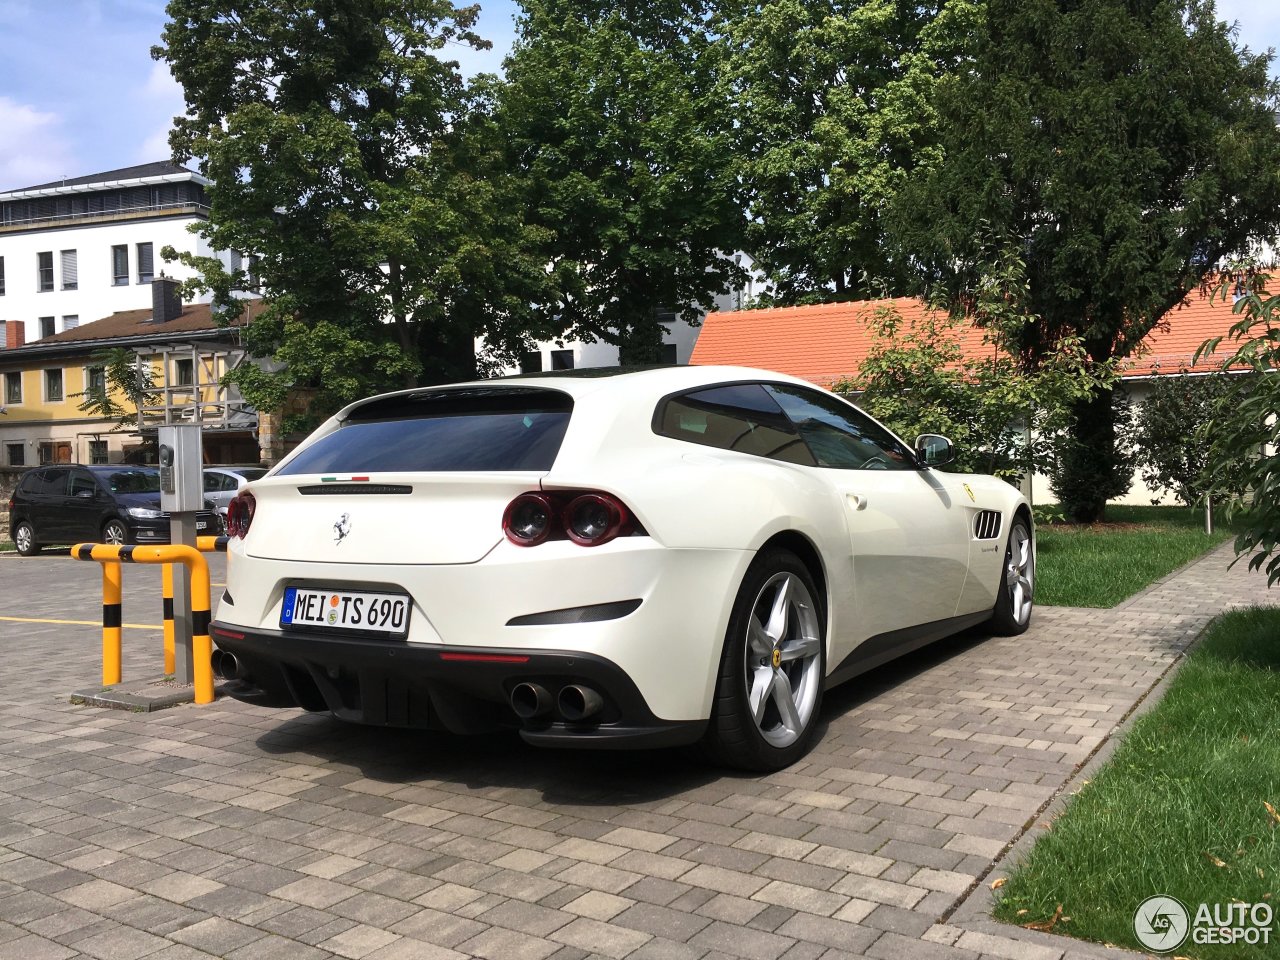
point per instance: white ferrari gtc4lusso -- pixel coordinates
(680, 555)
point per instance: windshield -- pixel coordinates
(133, 481)
(470, 429)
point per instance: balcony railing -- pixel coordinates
(122, 213)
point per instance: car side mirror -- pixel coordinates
(934, 450)
(85, 494)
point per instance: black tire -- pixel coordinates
(24, 539)
(114, 531)
(734, 737)
(1012, 613)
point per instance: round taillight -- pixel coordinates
(528, 519)
(240, 514)
(593, 518)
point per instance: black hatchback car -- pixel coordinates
(70, 503)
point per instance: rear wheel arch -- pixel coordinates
(797, 543)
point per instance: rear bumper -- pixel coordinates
(433, 686)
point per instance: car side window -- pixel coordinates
(212, 482)
(840, 435)
(55, 481)
(83, 484)
(740, 416)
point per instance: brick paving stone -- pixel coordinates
(329, 839)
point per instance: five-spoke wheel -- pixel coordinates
(115, 532)
(1014, 599)
(770, 686)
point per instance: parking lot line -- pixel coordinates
(81, 623)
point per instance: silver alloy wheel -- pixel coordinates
(1019, 573)
(783, 659)
(23, 537)
(114, 533)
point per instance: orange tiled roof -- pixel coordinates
(829, 342)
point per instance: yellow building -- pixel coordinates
(187, 353)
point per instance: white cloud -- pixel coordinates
(160, 99)
(34, 148)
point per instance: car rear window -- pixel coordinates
(479, 428)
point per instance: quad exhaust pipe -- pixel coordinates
(577, 702)
(530, 701)
(227, 666)
(533, 701)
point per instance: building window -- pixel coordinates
(55, 452)
(97, 451)
(44, 271)
(16, 454)
(184, 372)
(70, 321)
(561, 359)
(234, 260)
(669, 354)
(531, 362)
(13, 387)
(146, 265)
(95, 381)
(69, 270)
(1, 276)
(47, 328)
(120, 265)
(53, 386)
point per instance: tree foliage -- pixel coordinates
(1122, 149)
(834, 104)
(363, 176)
(619, 126)
(1002, 415)
(1173, 428)
(128, 385)
(1244, 436)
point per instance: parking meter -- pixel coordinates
(182, 497)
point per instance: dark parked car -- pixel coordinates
(70, 503)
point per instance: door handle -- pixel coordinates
(856, 501)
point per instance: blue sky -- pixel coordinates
(79, 92)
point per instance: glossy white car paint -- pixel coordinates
(894, 549)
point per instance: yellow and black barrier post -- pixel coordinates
(167, 593)
(111, 557)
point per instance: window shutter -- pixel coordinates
(69, 278)
(145, 262)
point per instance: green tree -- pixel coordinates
(1122, 149)
(926, 377)
(834, 108)
(1244, 436)
(1172, 432)
(363, 176)
(128, 385)
(619, 124)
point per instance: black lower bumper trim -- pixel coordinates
(433, 686)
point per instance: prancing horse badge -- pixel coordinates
(342, 528)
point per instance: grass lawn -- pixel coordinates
(1180, 809)
(1100, 565)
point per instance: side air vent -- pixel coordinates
(986, 525)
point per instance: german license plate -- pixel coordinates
(386, 613)
(202, 524)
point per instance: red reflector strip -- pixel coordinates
(485, 657)
(219, 632)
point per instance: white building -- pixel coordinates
(76, 250)
(678, 340)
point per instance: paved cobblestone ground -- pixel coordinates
(238, 832)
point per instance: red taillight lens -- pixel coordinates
(587, 517)
(240, 514)
(529, 518)
(593, 518)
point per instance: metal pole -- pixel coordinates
(112, 621)
(182, 530)
(1208, 515)
(167, 593)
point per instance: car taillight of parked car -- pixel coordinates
(587, 517)
(240, 514)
